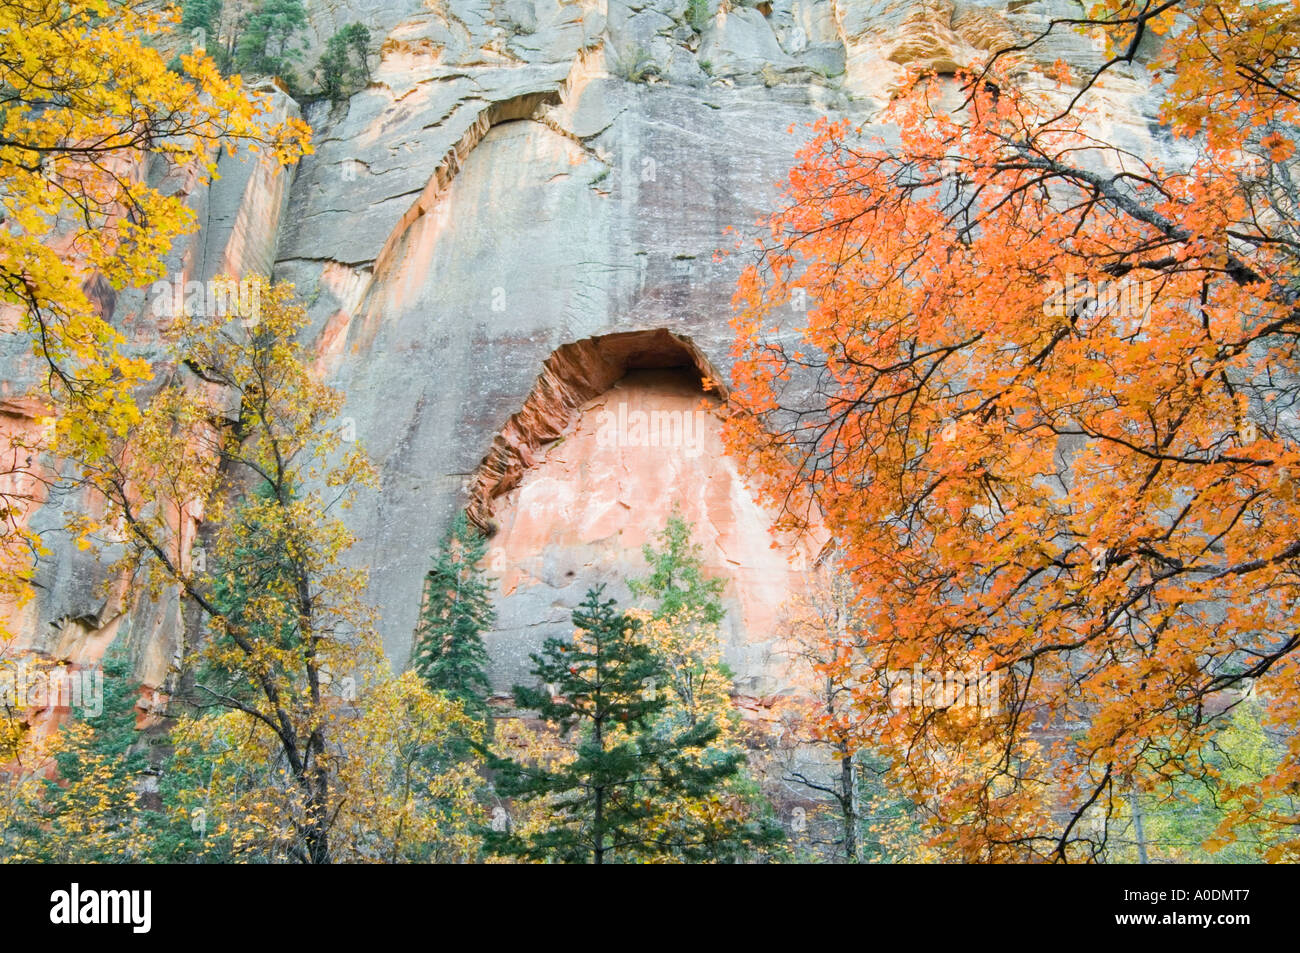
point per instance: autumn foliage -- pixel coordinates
(100, 144)
(1043, 392)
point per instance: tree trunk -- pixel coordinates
(1137, 827)
(599, 827)
(849, 787)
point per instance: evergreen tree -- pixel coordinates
(253, 586)
(201, 14)
(186, 833)
(332, 69)
(265, 47)
(607, 799)
(205, 15)
(734, 821)
(449, 653)
(343, 69)
(357, 38)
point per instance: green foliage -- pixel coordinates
(266, 47)
(683, 630)
(888, 826)
(637, 65)
(253, 588)
(697, 15)
(1181, 820)
(449, 653)
(343, 69)
(677, 581)
(201, 14)
(186, 833)
(606, 801)
(205, 15)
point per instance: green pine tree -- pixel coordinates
(342, 69)
(449, 653)
(686, 612)
(357, 38)
(185, 834)
(205, 15)
(254, 588)
(252, 585)
(606, 800)
(265, 46)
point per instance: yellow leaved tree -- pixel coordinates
(730, 820)
(316, 752)
(92, 123)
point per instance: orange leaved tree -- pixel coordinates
(1044, 392)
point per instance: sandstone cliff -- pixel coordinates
(511, 231)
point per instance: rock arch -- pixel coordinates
(525, 106)
(616, 433)
(573, 375)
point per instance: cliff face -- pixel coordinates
(510, 231)
(80, 607)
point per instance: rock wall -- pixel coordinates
(80, 606)
(642, 448)
(522, 176)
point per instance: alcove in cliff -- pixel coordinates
(617, 432)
